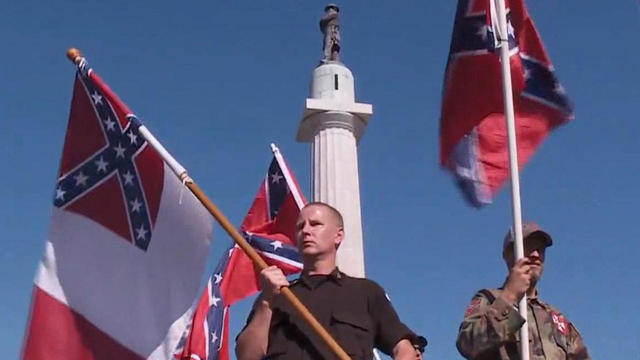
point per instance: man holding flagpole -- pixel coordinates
(491, 322)
(356, 311)
(269, 227)
(491, 40)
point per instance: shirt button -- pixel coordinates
(505, 312)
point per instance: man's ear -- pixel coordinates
(339, 236)
(507, 256)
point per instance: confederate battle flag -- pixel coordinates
(473, 135)
(270, 228)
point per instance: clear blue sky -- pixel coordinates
(217, 81)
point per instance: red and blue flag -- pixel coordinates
(473, 135)
(124, 255)
(270, 228)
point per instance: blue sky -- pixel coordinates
(218, 81)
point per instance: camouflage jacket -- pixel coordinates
(490, 330)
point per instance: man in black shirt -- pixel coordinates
(356, 312)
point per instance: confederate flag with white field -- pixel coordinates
(126, 249)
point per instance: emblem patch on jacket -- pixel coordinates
(473, 307)
(560, 322)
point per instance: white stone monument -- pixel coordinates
(333, 123)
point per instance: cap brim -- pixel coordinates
(542, 234)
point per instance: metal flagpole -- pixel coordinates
(287, 176)
(76, 57)
(503, 38)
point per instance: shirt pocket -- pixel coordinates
(354, 332)
(513, 345)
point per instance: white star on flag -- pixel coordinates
(141, 232)
(510, 29)
(128, 178)
(214, 337)
(135, 205)
(466, 172)
(102, 165)
(558, 89)
(81, 179)
(275, 178)
(60, 194)
(97, 99)
(482, 31)
(111, 125)
(218, 278)
(119, 150)
(276, 245)
(527, 73)
(133, 137)
(215, 300)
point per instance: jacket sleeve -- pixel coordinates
(389, 330)
(487, 326)
(576, 348)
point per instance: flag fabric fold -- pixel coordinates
(124, 258)
(473, 136)
(269, 227)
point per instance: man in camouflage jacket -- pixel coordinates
(491, 325)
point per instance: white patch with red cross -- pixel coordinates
(473, 307)
(560, 323)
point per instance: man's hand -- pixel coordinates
(518, 282)
(404, 350)
(271, 280)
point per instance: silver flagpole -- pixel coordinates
(287, 175)
(503, 39)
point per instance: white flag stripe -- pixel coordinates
(281, 259)
(132, 295)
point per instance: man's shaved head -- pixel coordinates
(335, 214)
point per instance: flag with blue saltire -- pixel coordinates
(125, 254)
(270, 228)
(473, 135)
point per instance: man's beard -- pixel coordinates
(535, 277)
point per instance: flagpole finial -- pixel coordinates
(74, 55)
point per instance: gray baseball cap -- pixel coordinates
(528, 229)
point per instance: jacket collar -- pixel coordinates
(335, 275)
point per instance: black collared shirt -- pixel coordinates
(356, 312)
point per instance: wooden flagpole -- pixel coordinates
(76, 57)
